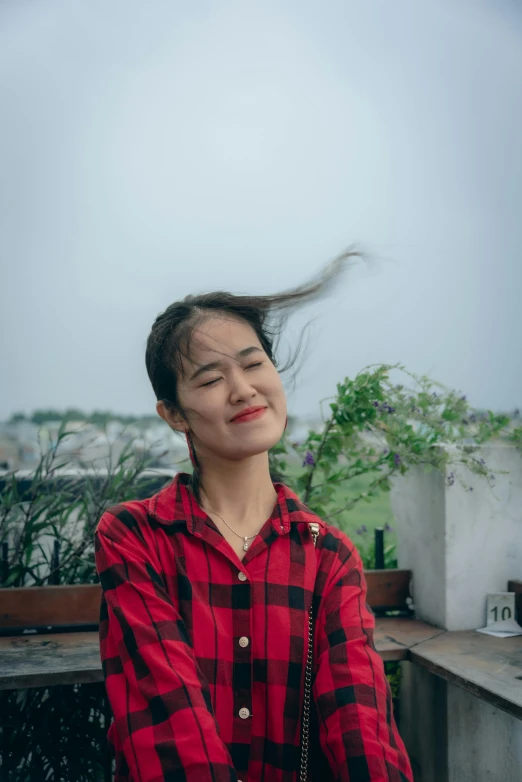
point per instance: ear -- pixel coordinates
(174, 419)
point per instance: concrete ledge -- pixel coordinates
(488, 667)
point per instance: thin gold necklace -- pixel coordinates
(244, 538)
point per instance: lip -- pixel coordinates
(248, 414)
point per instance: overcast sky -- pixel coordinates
(151, 150)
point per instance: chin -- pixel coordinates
(258, 442)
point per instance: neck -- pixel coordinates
(240, 491)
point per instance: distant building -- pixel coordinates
(9, 453)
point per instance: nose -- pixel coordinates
(241, 389)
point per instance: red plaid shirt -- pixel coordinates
(204, 654)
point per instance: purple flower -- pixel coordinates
(463, 398)
(309, 459)
(397, 459)
(387, 528)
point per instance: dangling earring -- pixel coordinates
(192, 452)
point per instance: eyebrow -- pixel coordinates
(217, 364)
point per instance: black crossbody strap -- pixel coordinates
(305, 722)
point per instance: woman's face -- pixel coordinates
(230, 392)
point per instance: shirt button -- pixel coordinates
(242, 576)
(244, 713)
(243, 641)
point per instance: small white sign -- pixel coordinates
(499, 607)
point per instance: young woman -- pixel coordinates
(212, 587)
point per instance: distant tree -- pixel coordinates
(41, 416)
(98, 417)
(73, 414)
(17, 417)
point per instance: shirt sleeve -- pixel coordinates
(358, 733)
(163, 718)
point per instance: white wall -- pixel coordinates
(486, 743)
(453, 736)
(460, 544)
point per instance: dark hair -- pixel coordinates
(170, 336)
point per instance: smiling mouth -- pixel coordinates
(249, 414)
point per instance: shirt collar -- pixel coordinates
(176, 504)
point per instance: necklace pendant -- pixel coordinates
(246, 545)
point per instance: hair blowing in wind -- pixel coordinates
(170, 337)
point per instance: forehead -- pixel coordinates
(217, 338)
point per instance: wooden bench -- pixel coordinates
(65, 648)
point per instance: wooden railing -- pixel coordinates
(78, 606)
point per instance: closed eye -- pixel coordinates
(217, 379)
